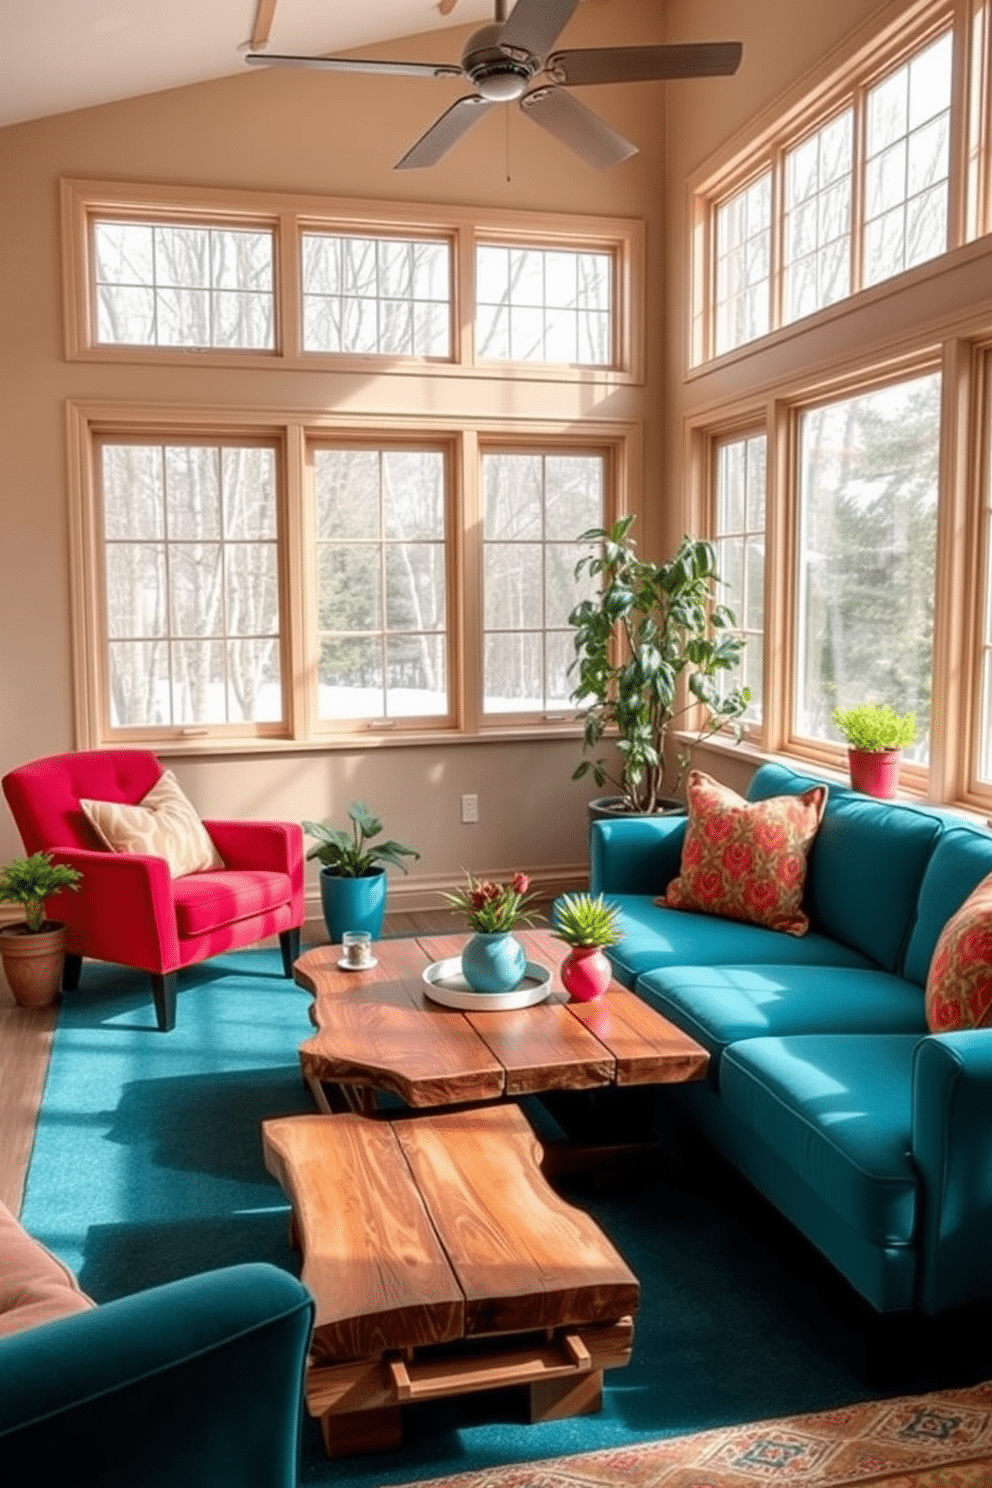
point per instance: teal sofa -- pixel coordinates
(826, 1090)
(197, 1383)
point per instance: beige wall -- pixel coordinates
(308, 133)
(301, 132)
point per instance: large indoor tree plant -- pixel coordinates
(653, 646)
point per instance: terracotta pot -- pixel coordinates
(875, 772)
(586, 973)
(33, 963)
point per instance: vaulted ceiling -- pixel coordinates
(59, 55)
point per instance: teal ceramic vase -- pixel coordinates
(353, 903)
(493, 963)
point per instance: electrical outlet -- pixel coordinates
(470, 808)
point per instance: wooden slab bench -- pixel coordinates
(442, 1263)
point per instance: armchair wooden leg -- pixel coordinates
(71, 968)
(289, 944)
(164, 993)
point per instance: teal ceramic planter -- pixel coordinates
(493, 963)
(353, 903)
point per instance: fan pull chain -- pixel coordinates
(506, 115)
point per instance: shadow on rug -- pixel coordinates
(941, 1440)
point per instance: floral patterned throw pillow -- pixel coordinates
(746, 860)
(959, 982)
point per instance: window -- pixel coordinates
(847, 191)
(175, 284)
(740, 544)
(743, 265)
(906, 164)
(191, 585)
(155, 273)
(381, 583)
(867, 555)
(984, 750)
(543, 305)
(387, 296)
(817, 247)
(535, 508)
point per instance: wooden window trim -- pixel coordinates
(84, 200)
(294, 431)
(846, 75)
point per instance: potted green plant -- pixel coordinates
(587, 923)
(353, 873)
(33, 950)
(651, 647)
(876, 735)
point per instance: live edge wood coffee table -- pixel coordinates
(377, 1030)
(443, 1263)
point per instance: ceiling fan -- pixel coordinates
(504, 59)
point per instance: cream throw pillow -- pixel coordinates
(164, 824)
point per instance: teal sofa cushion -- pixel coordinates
(865, 867)
(961, 859)
(836, 1110)
(719, 1005)
(654, 936)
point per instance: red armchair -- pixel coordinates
(128, 908)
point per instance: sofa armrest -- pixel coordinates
(951, 1142)
(198, 1382)
(272, 845)
(636, 854)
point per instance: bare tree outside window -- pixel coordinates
(381, 583)
(867, 556)
(171, 284)
(543, 305)
(192, 590)
(535, 507)
(742, 305)
(377, 296)
(907, 164)
(739, 536)
(817, 239)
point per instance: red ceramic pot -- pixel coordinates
(586, 973)
(875, 772)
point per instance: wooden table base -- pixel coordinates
(443, 1264)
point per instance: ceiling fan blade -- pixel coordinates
(357, 64)
(577, 127)
(643, 64)
(453, 124)
(535, 25)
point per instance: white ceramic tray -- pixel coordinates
(447, 985)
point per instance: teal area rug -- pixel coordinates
(147, 1166)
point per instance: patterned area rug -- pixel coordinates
(943, 1440)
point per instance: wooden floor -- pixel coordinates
(26, 1041)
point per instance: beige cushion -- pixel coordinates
(35, 1286)
(164, 824)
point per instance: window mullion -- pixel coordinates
(776, 247)
(858, 149)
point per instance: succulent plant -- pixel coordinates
(586, 920)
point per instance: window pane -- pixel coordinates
(177, 285)
(536, 506)
(381, 564)
(818, 219)
(743, 285)
(543, 305)
(868, 533)
(739, 501)
(984, 752)
(207, 587)
(907, 163)
(376, 296)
